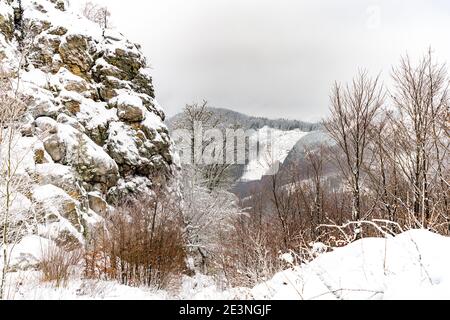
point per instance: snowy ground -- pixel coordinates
(28, 286)
(414, 265)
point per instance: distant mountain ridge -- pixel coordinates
(230, 118)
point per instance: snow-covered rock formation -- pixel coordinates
(93, 131)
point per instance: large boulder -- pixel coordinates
(142, 83)
(92, 164)
(129, 107)
(97, 203)
(63, 177)
(72, 83)
(57, 207)
(75, 53)
(55, 147)
(129, 61)
(44, 57)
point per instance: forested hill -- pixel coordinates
(232, 118)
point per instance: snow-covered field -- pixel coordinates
(413, 265)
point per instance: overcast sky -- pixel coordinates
(275, 58)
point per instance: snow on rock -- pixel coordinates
(28, 252)
(58, 175)
(129, 107)
(93, 125)
(36, 77)
(59, 210)
(122, 144)
(127, 186)
(96, 118)
(153, 127)
(74, 148)
(46, 124)
(412, 265)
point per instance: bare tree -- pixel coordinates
(315, 168)
(353, 110)
(198, 119)
(98, 14)
(13, 105)
(382, 171)
(421, 97)
(206, 203)
(283, 207)
(205, 213)
(12, 108)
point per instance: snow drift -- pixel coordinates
(413, 265)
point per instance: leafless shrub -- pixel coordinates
(141, 243)
(248, 252)
(57, 263)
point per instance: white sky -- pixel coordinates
(275, 58)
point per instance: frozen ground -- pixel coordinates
(413, 265)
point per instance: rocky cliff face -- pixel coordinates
(93, 132)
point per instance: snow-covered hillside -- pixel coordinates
(271, 140)
(413, 265)
(274, 147)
